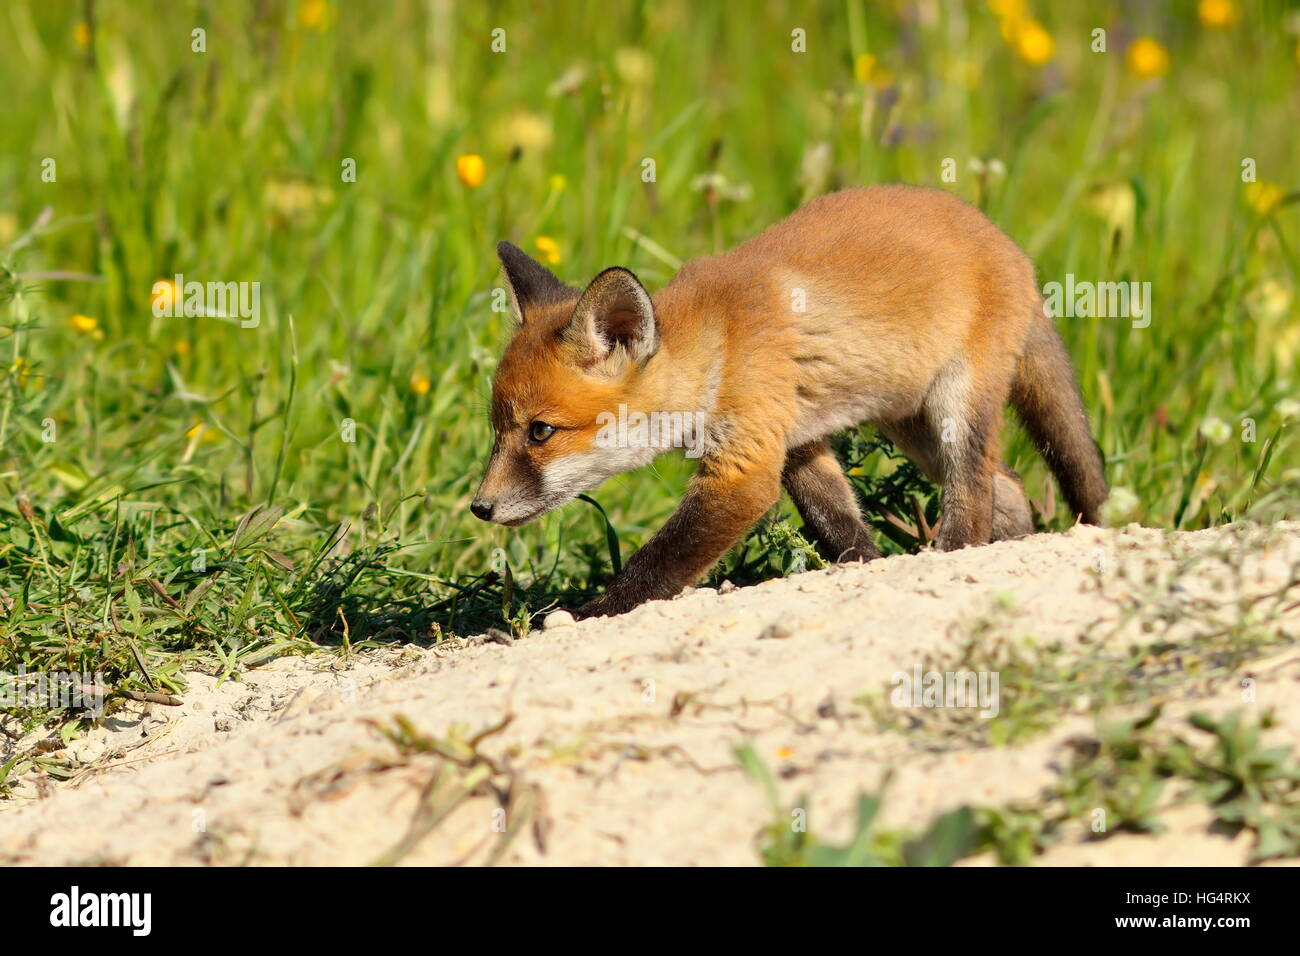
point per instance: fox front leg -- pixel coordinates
(718, 508)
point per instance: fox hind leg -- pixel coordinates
(954, 440)
(826, 502)
(1011, 515)
(968, 481)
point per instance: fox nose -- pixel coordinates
(481, 509)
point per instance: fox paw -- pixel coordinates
(607, 605)
(597, 607)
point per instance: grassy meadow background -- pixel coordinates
(174, 489)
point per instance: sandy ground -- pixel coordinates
(621, 744)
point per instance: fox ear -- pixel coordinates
(614, 312)
(528, 281)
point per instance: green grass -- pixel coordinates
(121, 546)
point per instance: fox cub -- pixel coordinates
(897, 306)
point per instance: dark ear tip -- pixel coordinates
(618, 270)
(506, 248)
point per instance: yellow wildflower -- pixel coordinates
(1217, 14)
(1147, 59)
(864, 64)
(200, 431)
(869, 70)
(318, 15)
(420, 384)
(1263, 197)
(165, 295)
(470, 169)
(549, 248)
(1033, 43)
(85, 325)
(634, 66)
(81, 35)
(558, 183)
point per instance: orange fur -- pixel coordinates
(896, 306)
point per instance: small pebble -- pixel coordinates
(559, 618)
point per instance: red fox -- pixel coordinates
(896, 306)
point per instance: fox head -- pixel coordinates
(575, 355)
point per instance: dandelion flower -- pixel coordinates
(1147, 59)
(869, 70)
(1033, 43)
(549, 248)
(81, 35)
(420, 384)
(470, 169)
(318, 15)
(864, 64)
(558, 183)
(1263, 196)
(85, 325)
(634, 66)
(1217, 14)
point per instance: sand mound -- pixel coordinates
(619, 746)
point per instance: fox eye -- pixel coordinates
(538, 432)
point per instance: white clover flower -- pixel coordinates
(1215, 430)
(1119, 506)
